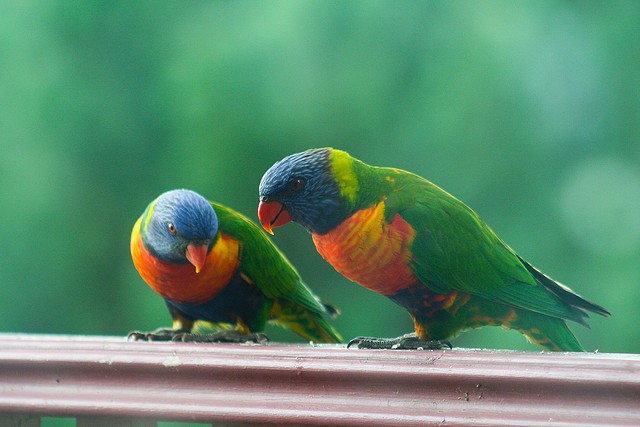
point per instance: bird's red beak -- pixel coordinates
(272, 214)
(197, 255)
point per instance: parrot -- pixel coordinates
(400, 235)
(210, 263)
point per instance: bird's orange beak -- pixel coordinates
(272, 214)
(197, 255)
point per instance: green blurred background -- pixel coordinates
(528, 111)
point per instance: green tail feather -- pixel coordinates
(551, 334)
(310, 325)
(577, 303)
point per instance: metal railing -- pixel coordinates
(104, 381)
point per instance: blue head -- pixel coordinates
(180, 226)
(304, 188)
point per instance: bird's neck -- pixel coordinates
(373, 187)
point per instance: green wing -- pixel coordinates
(454, 250)
(264, 264)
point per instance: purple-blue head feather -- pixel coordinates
(178, 218)
(305, 186)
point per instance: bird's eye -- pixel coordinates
(296, 185)
(171, 228)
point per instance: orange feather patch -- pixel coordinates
(369, 251)
(180, 282)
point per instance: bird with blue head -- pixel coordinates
(210, 263)
(402, 236)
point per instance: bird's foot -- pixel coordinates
(405, 342)
(160, 334)
(227, 336)
(181, 335)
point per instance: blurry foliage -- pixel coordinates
(528, 111)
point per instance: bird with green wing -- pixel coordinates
(211, 264)
(402, 236)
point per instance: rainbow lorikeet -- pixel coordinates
(400, 235)
(212, 264)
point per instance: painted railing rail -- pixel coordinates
(103, 381)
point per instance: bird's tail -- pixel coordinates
(577, 303)
(308, 324)
(550, 333)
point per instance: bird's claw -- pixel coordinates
(229, 336)
(135, 336)
(161, 334)
(405, 342)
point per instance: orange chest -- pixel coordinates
(180, 282)
(369, 251)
